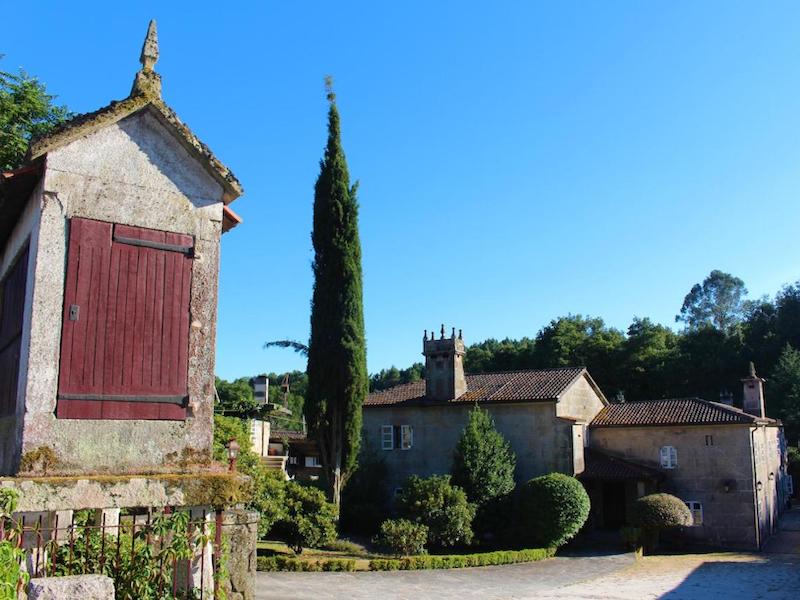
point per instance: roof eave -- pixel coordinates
(88, 123)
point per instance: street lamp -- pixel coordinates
(233, 452)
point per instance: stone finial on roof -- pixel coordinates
(148, 82)
(752, 372)
(149, 56)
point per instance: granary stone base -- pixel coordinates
(241, 529)
(85, 587)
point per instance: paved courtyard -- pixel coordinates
(728, 576)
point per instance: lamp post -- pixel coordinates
(233, 452)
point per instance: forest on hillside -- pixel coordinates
(722, 332)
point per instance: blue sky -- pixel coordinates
(518, 160)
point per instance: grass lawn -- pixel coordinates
(340, 549)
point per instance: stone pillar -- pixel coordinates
(240, 531)
(108, 518)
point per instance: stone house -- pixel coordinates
(109, 264)
(543, 413)
(726, 463)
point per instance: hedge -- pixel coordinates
(283, 563)
(455, 561)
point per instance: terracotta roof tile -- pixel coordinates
(599, 465)
(510, 386)
(675, 411)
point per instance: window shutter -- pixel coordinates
(12, 308)
(125, 331)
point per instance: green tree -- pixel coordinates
(26, 112)
(235, 396)
(647, 359)
(483, 462)
(719, 302)
(576, 340)
(337, 359)
(785, 391)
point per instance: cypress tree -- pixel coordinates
(337, 362)
(483, 461)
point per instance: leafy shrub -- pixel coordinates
(454, 561)
(267, 487)
(403, 537)
(309, 520)
(483, 462)
(552, 509)
(660, 511)
(12, 576)
(442, 507)
(142, 565)
(284, 563)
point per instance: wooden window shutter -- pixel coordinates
(12, 308)
(125, 328)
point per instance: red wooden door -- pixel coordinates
(125, 331)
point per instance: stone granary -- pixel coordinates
(727, 464)
(109, 262)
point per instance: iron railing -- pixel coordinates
(177, 554)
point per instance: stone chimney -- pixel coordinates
(753, 402)
(444, 366)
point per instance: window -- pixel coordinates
(12, 306)
(669, 457)
(397, 437)
(696, 508)
(789, 485)
(292, 460)
(709, 440)
(125, 325)
(640, 489)
(313, 461)
(387, 437)
(406, 437)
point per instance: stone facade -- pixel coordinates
(546, 436)
(718, 466)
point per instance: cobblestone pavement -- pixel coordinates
(722, 576)
(486, 583)
(694, 577)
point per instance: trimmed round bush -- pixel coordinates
(440, 506)
(660, 511)
(403, 537)
(552, 509)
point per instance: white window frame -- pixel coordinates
(696, 508)
(668, 457)
(406, 437)
(387, 443)
(313, 462)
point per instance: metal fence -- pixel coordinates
(148, 553)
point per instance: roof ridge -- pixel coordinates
(541, 370)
